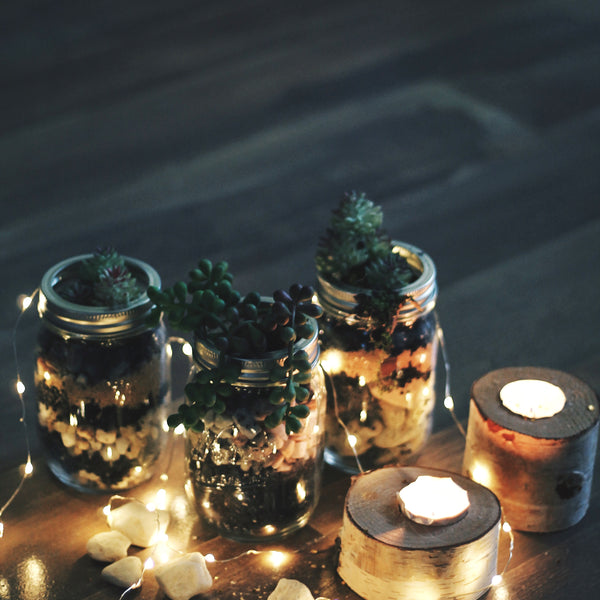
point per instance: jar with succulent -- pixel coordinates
(255, 403)
(379, 339)
(102, 373)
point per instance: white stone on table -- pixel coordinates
(106, 437)
(184, 577)
(139, 524)
(290, 589)
(108, 546)
(124, 572)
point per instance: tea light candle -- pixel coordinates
(533, 398)
(386, 555)
(531, 439)
(433, 500)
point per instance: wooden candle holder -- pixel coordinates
(541, 469)
(386, 556)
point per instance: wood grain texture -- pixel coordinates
(177, 130)
(386, 556)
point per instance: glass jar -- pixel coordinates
(381, 395)
(102, 382)
(250, 482)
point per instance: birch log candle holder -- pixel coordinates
(388, 552)
(531, 439)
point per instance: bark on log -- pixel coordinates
(541, 469)
(386, 556)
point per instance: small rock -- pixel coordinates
(290, 589)
(184, 577)
(124, 572)
(108, 546)
(106, 437)
(139, 524)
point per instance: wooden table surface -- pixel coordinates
(175, 130)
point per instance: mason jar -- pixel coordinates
(101, 382)
(381, 395)
(248, 481)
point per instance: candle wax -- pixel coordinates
(533, 398)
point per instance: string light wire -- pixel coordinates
(25, 303)
(448, 400)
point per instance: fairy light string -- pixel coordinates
(24, 302)
(276, 557)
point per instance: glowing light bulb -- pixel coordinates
(506, 527)
(448, 402)
(276, 558)
(106, 510)
(496, 580)
(362, 381)
(20, 387)
(161, 499)
(1, 529)
(180, 429)
(149, 564)
(300, 491)
(352, 440)
(24, 301)
(332, 361)
(210, 558)
(187, 349)
(28, 468)
(481, 475)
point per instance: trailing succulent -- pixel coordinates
(102, 280)
(243, 327)
(356, 251)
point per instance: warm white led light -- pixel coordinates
(276, 558)
(24, 301)
(481, 474)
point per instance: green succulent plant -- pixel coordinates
(104, 279)
(240, 326)
(356, 251)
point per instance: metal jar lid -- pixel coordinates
(255, 371)
(94, 322)
(341, 300)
